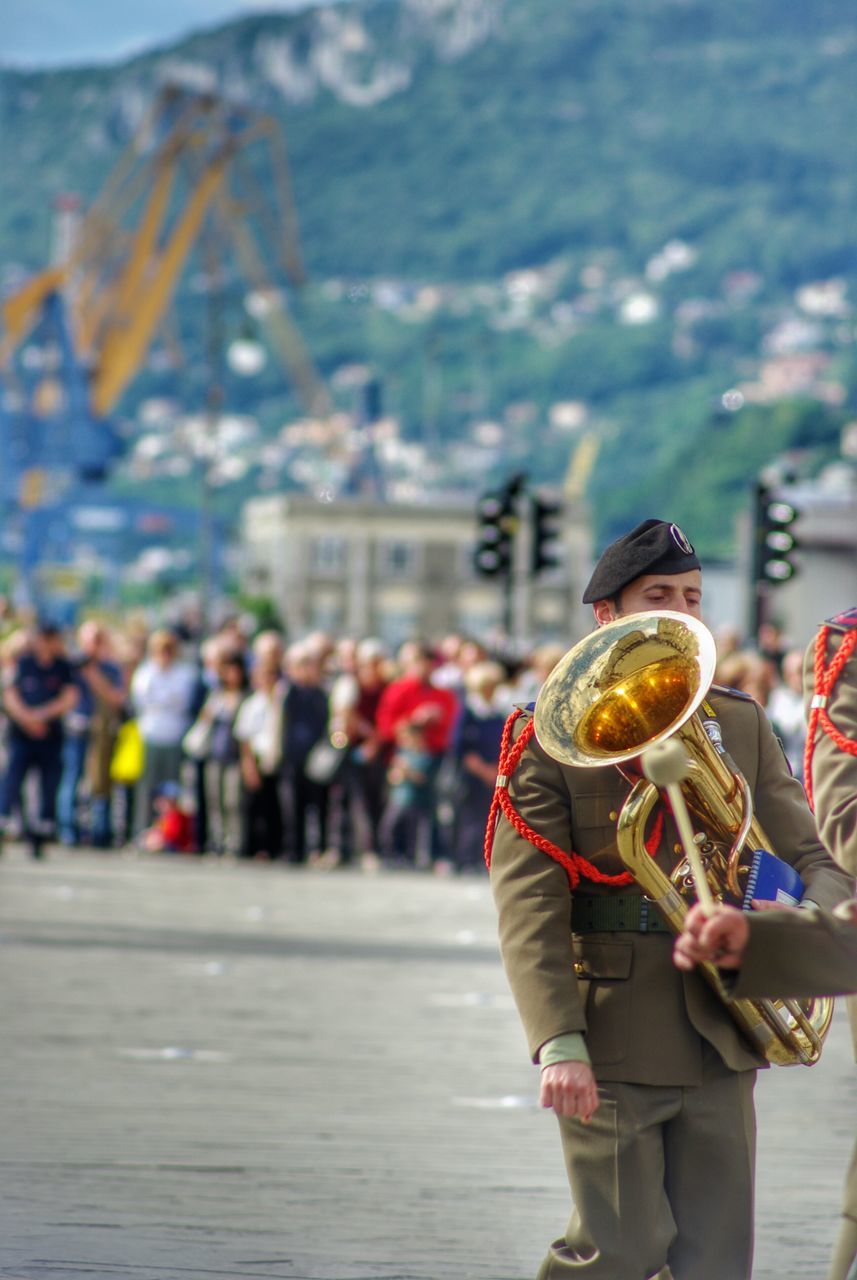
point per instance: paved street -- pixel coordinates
(251, 1071)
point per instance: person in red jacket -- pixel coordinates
(172, 831)
(413, 699)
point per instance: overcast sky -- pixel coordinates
(53, 33)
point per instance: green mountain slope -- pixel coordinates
(459, 142)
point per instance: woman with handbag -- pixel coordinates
(211, 741)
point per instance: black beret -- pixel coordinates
(655, 546)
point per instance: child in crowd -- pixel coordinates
(408, 805)
(172, 831)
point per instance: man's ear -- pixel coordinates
(604, 611)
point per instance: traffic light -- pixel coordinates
(546, 534)
(775, 543)
(495, 514)
(498, 522)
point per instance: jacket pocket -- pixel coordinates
(597, 808)
(603, 970)
(593, 827)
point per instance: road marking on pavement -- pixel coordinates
(174, 1053)
(466, 938)
(510, 1102)
(205, 969)
(471, 1000)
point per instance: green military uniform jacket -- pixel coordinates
(811, 953)
(644, 1021)
(834, 771)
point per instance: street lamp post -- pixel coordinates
(214, 398)
(246, 357)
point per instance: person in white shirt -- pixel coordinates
(162, 690)
(785, 710)
(259, 731)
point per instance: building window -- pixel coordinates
(483, 621)
(326, 612)
(465, 562)
(398, 625)
(398, 560)
(328, 556)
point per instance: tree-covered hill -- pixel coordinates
(457, 142)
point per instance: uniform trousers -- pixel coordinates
(661, 1176)
(843, 1263)
(849, 1204)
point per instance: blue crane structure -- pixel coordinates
(75, 335)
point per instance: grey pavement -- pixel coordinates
(220, 1070)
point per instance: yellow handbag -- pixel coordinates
(129, 754)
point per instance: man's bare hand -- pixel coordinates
(569, 1087)
(34, 726)
(250, 774)
(719, 938)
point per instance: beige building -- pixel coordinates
(360, 567)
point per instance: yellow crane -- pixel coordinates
(185, 163)
(581, 465)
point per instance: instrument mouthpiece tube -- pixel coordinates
(666, 765)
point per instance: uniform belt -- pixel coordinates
(606, 913)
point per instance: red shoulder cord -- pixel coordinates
(575, 865)
(825, 679)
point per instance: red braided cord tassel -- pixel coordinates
(505, 768)
(824, 680)
(574, 864)
(812, 724)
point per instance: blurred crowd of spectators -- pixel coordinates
(771, 671)
(325, 751)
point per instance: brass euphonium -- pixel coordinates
(633, 683)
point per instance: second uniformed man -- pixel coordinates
(783, 952)
(830, 702)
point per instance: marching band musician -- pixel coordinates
(779, 953)
(830, 770)
(648, 1075)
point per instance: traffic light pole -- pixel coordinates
(759, 602)
(509, 600)
(760, 607)
(774, 546)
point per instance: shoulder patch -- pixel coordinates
(845, 621)
(732, 693)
